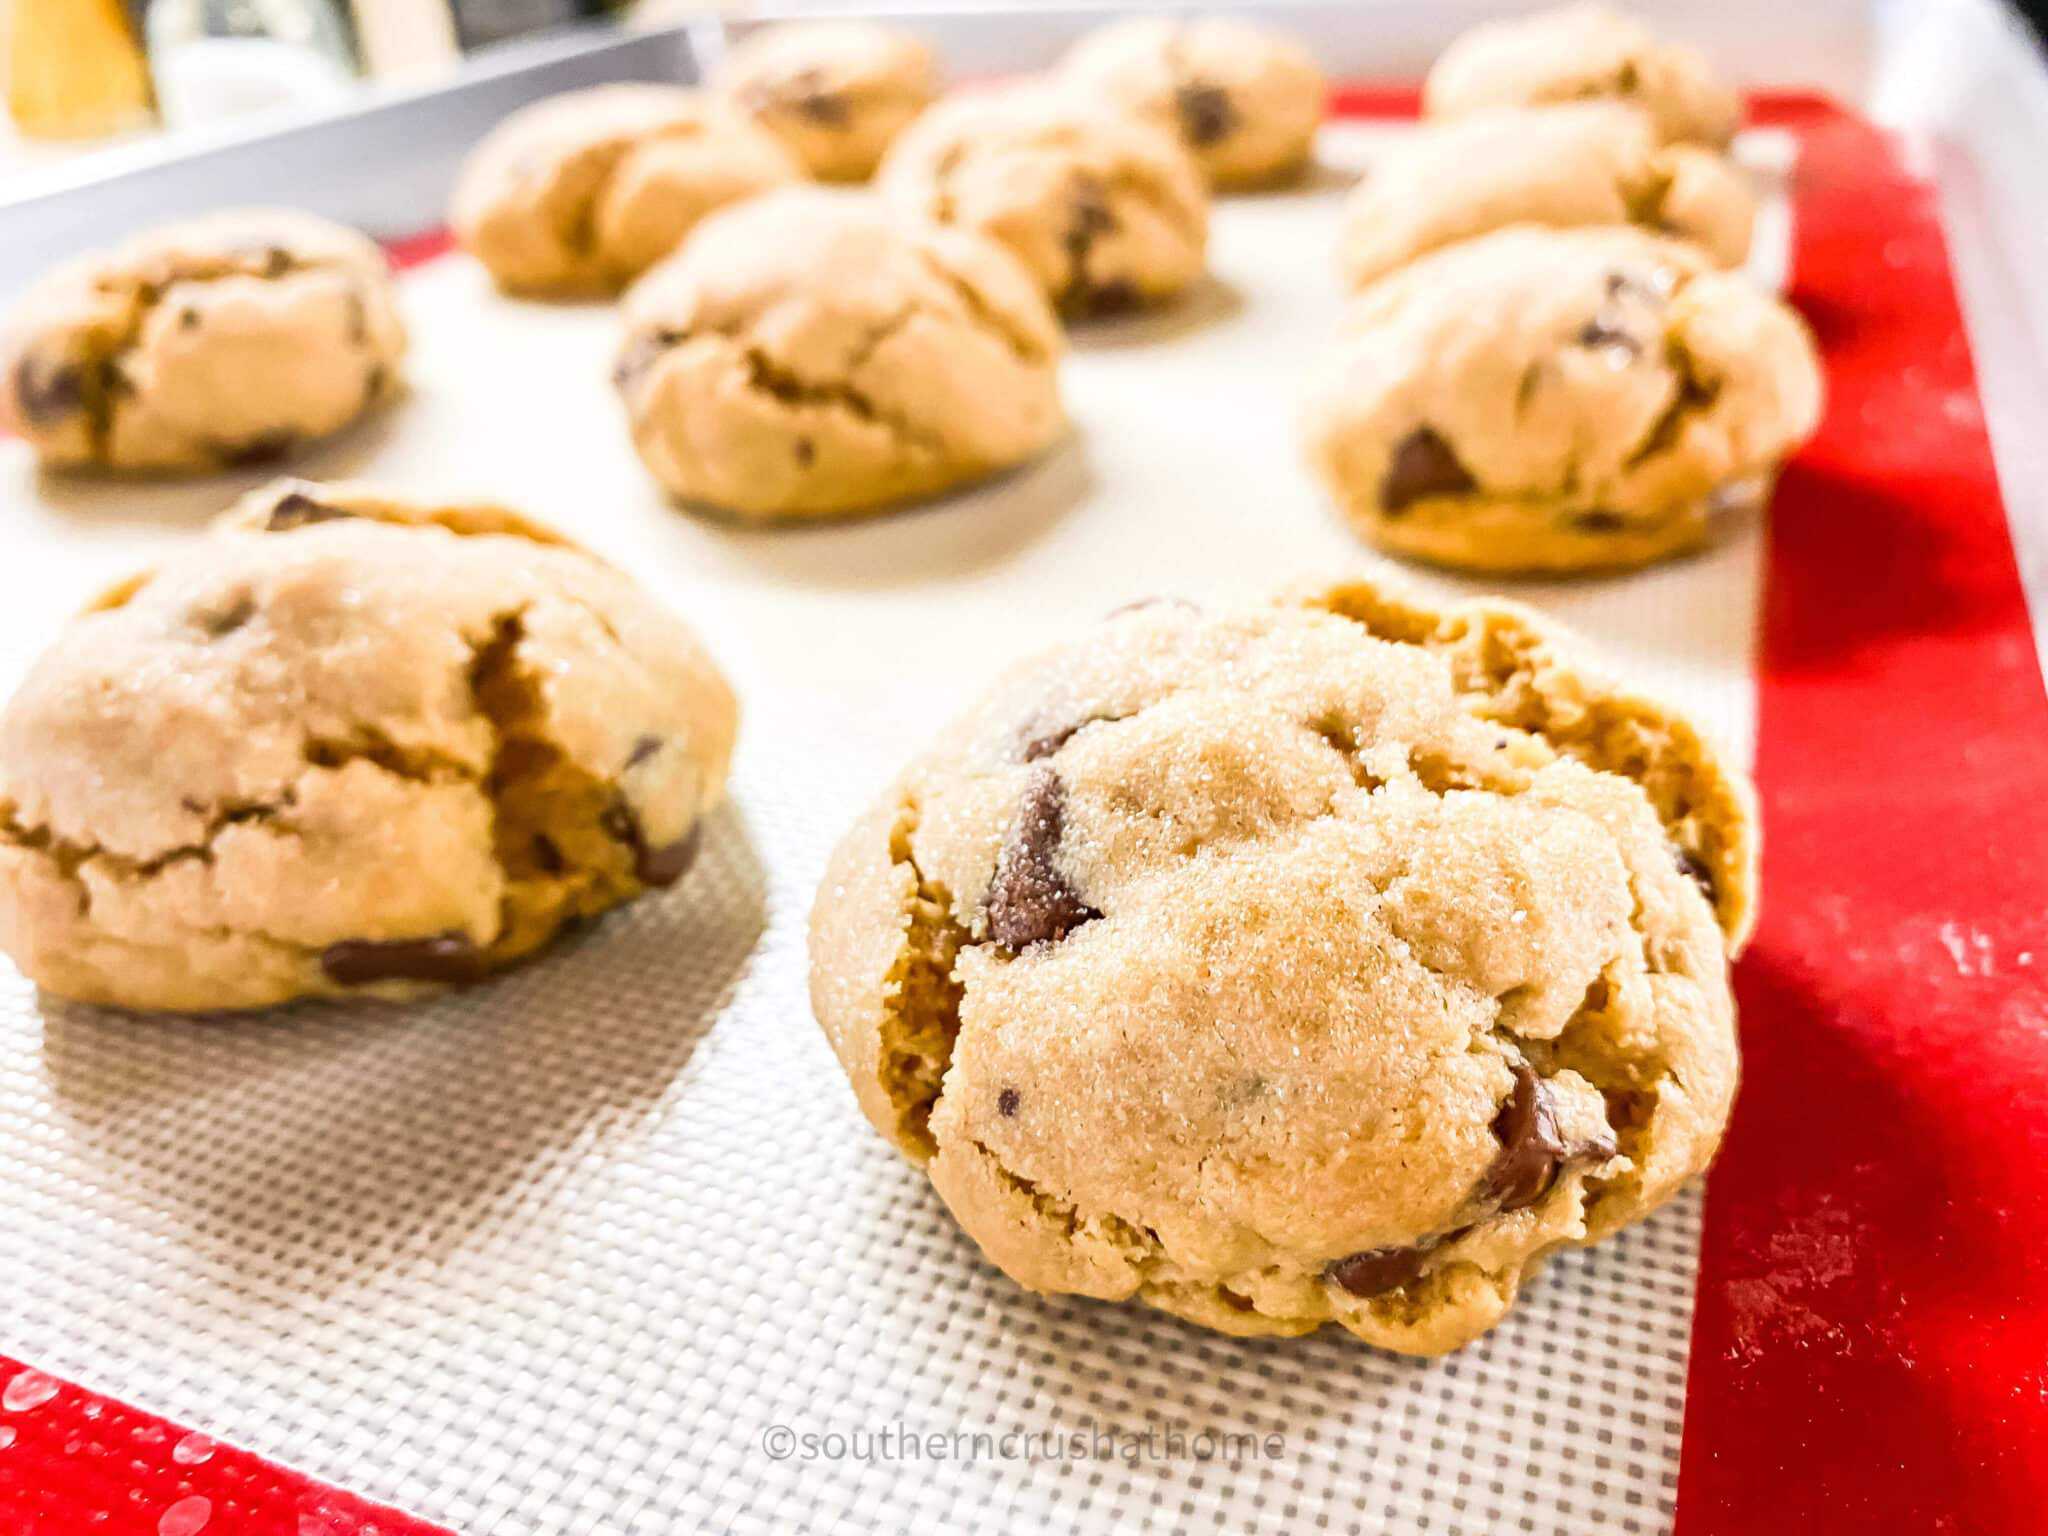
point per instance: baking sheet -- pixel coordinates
(571, 1252)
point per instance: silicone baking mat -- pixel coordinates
(605, 1247)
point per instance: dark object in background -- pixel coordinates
(489, 21)
(2036, 13)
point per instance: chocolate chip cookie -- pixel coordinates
(809, 354)
(1330, 961)
(1107, 211)
(347, 746)
(1585, 163)
(580, 193)
(1244, 98)
(218, 341)
(1560, 400)
(835, 92)
(1581, 52)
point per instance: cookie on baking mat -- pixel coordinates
(837, 93)
(1581, 52)
(1108, 211)
(1560, 400)
(580, 193)
(1328, 961)
(1245, 98)
(347, 746)
(221, 340)
(810, 354)
(1587, 163)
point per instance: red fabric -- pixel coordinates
(77, 1464)
(1871, 1347)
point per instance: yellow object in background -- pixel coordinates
(74, 69)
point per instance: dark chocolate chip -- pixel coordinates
(1098, 301)
(295, 509)
(375, 381)
(1601, 331)
(1692, 864)
(1232, 1300)
(450, 958)
(1379, 1270)
(1039, 743)
(825, 107)
(1029, 901)
(48, 394)
(264, 448)
(1007, 1101)
(643, 749)
(239, 610)
(1598, 522)
(276, 261)
(1423, 466)
(547, 857)
(188, 319)
(1531, 1147)
(1206, 114)
(652, 866)
(806, 452)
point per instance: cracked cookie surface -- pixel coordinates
(1329, 961)
(1577, 53)
(809, 354)
(580, 193)
(1245, 99)
(836, 93)
(1560, 400)
(222, 340)
(347, 746)
(1587, 163)
(1106, 210)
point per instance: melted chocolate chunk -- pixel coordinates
(264, 448)
(547, 857)
(1423, 466)
(643, 749)
(1692, 864)
(295, 509)
(1602, 331)
(652, 866)
(1100, 300)
(1206, 114)
(1029, 902)
(1532, 1148)
(827, 108)
(1090, 219)
(48, 394)
(450, 958)
(1598, 522)
(240, 609)
(806, 452)
(1379, 1270)
(1007, 1101)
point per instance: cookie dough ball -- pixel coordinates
(1106, 210)
(810, 354)
(1244, 98)
(1560, 400)
(348, 747)
(1577, 52)
(222, 340)
(837, 93)
(1332, 962)
(1588, 163)
(580, 193)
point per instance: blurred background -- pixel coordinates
(85, 74)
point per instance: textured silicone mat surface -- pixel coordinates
(569, 1253)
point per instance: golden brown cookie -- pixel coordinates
(1560, 400)
(1330, 961)
(1106, 210)
(810, 354)
(222, 340)
(1581, 52)
(1590, 162)
(1244, 98)
(582, 192)
(837, 93)
(347, 746)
